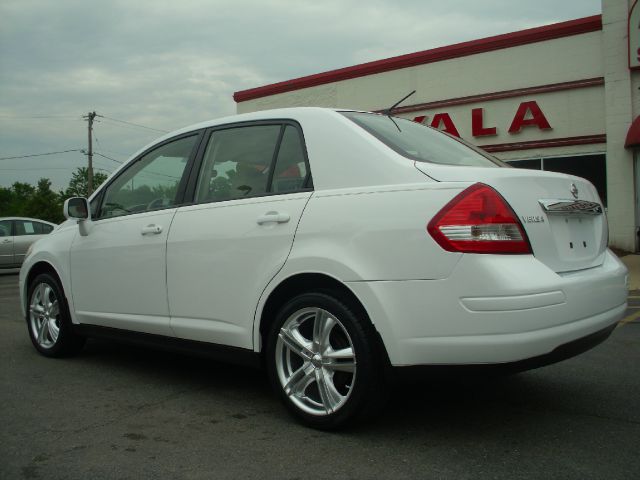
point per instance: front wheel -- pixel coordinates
(324, 362)
(48, 320)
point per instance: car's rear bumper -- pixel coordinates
(562, 352)
(493, 309)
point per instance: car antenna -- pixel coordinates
(388, 111)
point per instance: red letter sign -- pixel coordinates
(445, 119)
(537, 118)
(477, 129)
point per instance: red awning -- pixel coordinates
(633, 135)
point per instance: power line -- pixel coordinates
(33, 169)
(132, 124)
(108, 158)
(41, 154)
(106, 149)
(40, 116)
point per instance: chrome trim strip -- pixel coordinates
(560, 206)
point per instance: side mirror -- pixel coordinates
(76, 207)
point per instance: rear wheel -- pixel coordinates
(322, 361)
(48, 320)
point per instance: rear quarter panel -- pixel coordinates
(373, 234)
(369, 234)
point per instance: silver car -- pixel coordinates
(16, 234)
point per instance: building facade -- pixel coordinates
(559, 97)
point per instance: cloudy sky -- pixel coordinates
(167, 64)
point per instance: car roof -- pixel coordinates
(31, 219)
(340, 165)
(292, 113)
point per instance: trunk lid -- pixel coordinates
(567, 232)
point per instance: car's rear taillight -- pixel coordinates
(479, 220)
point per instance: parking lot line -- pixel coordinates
(629, 318)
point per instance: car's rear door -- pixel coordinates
(6, 244)
(26, 232)
(253, 185)
(118, 270)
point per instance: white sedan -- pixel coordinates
(329, 245)
(16, 235)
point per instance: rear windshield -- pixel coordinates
(421, 143)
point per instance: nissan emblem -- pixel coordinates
(574, 190)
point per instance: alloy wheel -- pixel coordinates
(315, 361)
(44, 315)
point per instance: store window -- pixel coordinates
(592, 167)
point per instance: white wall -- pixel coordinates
(554, 61)
(618, 117)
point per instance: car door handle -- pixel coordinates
(276, 217)
(151, 230)
(6, 241)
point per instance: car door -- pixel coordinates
(118, 270)
(25, 233)
(253, 185)
(6, 244)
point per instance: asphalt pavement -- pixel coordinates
(123, 412)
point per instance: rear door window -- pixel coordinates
(43, 228)
(26, 227)
(251, 161)
(291, 169)
(236, 163)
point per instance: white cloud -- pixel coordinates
(166, 64)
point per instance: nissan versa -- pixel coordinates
(329, 245)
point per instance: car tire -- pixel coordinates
(48, 320)
(324, 361)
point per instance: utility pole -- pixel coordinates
(90, 116)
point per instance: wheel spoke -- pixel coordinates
(55, 309)
(298, 381)
(46, 300)
(328, 393)
(35, 308)
(40, 294)
(54, 331)
(340, 360)
(322, 326)
(295, 342)
(43, 329)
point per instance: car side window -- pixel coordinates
(94, 205)
(5, 228)
(43, 228)
(236, 163)
(26, 227)
(291, 170)
(150, 183)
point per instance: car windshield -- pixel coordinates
(421, 143)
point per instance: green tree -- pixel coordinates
(44, 203)
(22, 192)
(24, 200)
(79, 183)
(6, 197)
